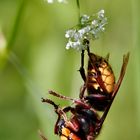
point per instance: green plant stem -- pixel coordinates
(12, 58)
(78, 7)
(13, 34)
(15, 28)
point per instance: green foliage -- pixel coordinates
(34, 60)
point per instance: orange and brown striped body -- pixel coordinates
(66, 134)
(99, 68)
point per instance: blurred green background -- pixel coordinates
(33, 60)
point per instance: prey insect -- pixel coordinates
(82, 123)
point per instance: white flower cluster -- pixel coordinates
(89, 28)
(60, 1)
